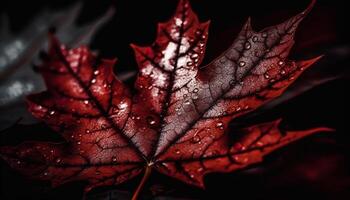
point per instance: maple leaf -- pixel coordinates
(176, 122)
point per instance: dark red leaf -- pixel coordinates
(176, 123)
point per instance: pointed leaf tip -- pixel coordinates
(248, 25)
(309, 62)
(309, 7)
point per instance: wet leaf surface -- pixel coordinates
(176, 121)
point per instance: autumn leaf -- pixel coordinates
(176, 122)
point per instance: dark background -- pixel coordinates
(317, 167)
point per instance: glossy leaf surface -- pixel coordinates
(177, 121)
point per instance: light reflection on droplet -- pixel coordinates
(177, 151)
(241, 63)
(247, 45)
(220, 125)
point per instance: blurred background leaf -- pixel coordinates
(18, 53)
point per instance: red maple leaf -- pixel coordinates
(176, 122)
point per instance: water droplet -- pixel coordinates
(291, 78)
(78, 142)
(195, 90)
(45, 173)
(247, 45)
(192, 175)
(255, 38)
(200, 169)
(114, 159)
(18, 162)
(87, 131)
(266, 75)
(185, 95)
(177, 108)
(150, 120)
(212, 153)
(52, 112)
(58, 160)
(198, 32)
(239, 147)
(96, 72)
(189, 63)
(187, 102)
(204, 36)
(241, 63)
(272, 80)
(236, 158)
(259, 144)
(195, 97)
(220, 125)
(238, 108)
(196, 138)
(122, 105)
(264, 35)
(177, 151)
(280, 63)
(93, 81)
(86, 102)
(283, 72)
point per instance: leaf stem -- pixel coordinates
(146, 175)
